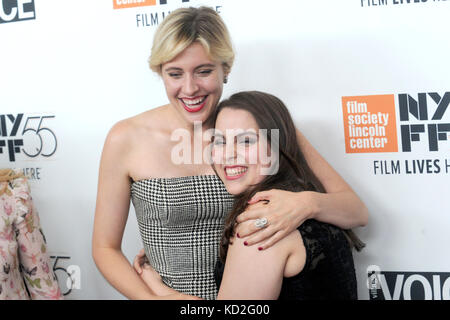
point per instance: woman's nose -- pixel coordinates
(230, 153)
(190, 86)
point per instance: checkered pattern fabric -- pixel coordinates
(181, 221)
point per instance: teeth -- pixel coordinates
(194, 102)
(235, 171)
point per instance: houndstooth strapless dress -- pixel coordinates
(181, 221)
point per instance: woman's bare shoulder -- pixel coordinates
(133, 127)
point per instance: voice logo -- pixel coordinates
(16, 10)
(123, 4)
(401, 285)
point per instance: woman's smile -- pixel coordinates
(194, 104)
(234, 172)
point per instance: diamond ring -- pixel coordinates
(261, 223)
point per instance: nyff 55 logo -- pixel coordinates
(27, 135)
(122, 4)
(16, 10)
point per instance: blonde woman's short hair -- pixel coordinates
(185, 26)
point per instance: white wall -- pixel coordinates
(86, 64)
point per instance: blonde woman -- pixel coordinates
(180, 207)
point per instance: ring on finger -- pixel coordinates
(261, 223)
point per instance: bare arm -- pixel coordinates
(258, 275)
(111, 213)
(340, 206)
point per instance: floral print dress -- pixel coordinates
(24, 261)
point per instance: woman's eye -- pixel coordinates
(247, 141)
(218, 142)
(205, 72)
(174, 75)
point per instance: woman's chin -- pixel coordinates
(235, 189)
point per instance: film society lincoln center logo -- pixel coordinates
(370, 122)
(122, 4)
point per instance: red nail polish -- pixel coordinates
(245, 243)
(238, 235)
(260, 248)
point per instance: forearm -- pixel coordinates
(120, 274)
(340, 206)
(343, 209)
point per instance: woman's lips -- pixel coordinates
(234, 172)
(193, 104)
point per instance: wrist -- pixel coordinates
(312, 200)
(146, 295)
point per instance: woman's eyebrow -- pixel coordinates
(171, 69)
(206, 65)
(246, 133)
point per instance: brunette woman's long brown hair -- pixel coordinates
(293, 173)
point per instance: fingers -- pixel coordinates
(260, 236)
(263, 195)
(149, 271)
(266, 238)
(137, 265)
(272, 240)
(254, 211)
(245, 229)
(139, 261)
